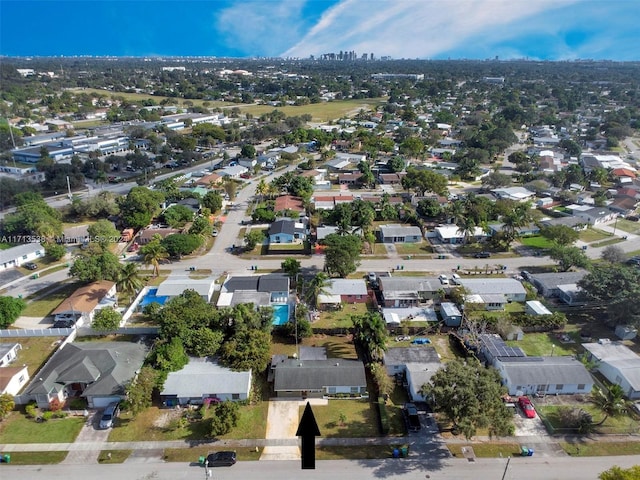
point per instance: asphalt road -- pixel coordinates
(518, 468)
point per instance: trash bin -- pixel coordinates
(6, 458)
(396, 453)
(530, 452)
(524, 451)
(201, 460)
(404, 452)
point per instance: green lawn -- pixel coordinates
(605, 243)
(591, 235)
(359, 452)
(599, 449)
(621, 424)
(340, 318)
(37, 458)
(361, 419)
(337, 346)
(536, 241)
(17, 428)
(193, 454)
(414, 248)
(47, 304)
(113, 456)
(487, 450)
(627, 226)
(544, 344)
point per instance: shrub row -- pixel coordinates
(384, 416)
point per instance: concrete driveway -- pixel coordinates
(282, 423)
(89, 442)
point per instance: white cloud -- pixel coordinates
(418, 29)
(262, 27)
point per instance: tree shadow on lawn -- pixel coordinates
(424, 457)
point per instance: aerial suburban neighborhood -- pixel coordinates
(442, 258)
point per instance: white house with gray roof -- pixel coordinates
(511, 288)
(393, 233)
(344, 290)
(175, 286)
(417, 364)
(408, 291)
(19, 255)
(549, 284)
(202, 379)
(544, 375)
(618, 363)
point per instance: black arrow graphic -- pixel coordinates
(308, 430)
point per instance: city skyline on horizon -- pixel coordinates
(553, 30)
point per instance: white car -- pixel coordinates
(444, 279)
(455, 278)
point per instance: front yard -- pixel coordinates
(17, 428)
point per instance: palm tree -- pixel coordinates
(610, 400)
(467, 228)
(262, 189)
(129, 281)
(154, 253)
(316, 286)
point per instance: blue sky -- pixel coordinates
(436, 29)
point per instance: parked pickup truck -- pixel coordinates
(411, 414)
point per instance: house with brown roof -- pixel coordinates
(146, 235)
(288, 203)
(623, 172)
(207, 180)
(391, 178)
(349, 178)
(328, 202)
(12, 379)
(85, 301)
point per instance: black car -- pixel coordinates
(413, 419)
(482, 255)
(30, 266)
(221, 459)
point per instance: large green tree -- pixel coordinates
(177, 216)
(180, 244)
(33, 216)
(106, 320)
(370, 331)
(617, 288)
(139, 391)
(342, 254)
(468, 395)
(212, 200)
(560, 234)
(94, 265)
(103, 232)
(247, 349)
(154, 253)
(10, 310)
(424, 181)
(568, 257)
(140, 206)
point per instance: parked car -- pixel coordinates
(109, 414)
(482, 255)
(221, 459)
(30, 266)
(372, 277)
(214, 232)
(456, 278)
(527, 407)
(444, 280)
(412, 417)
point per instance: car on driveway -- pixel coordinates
(412, 417)
(221, 459)
(30, 266)
(482, 255)
(527, 407)
(109, 414)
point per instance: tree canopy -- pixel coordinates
(568, 257)
(106, 320)
(469, 395)
(342, 254)
(94, 265)
(140, 206)
(10, 310)
(424, 181)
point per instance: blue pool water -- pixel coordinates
(151, 297)
(280, 314)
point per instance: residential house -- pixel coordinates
(544, 375)
(176, 285)
(289, 203)
(451, 316)
(623, 205)
(328, 202)
(511, 288)
(338, 164)
(618, 364)
(592, 215)
(204, 379)
(487, 301)
(248, 163)
(408, 291)
(607, 161)
(416, 364)
(391, 178)
(454, 235)
(349, 178)
(344, 290)
(13, 379)
(530, 229)
(8, 353)
(261, 290)
(191, 203)
(146, 235)
(82, 304)
(233, 172)
(287, 230)
(548, 284)
(517, 194)
(392, 233)
(95, 371)
(569, 221)
(330, 378)
(208, 180)
(393, 317)
(19, 255)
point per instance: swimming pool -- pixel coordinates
(280, 314)
(151, 297)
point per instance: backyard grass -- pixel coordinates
(544, 344)
(45, 305)
(536, 241)
(17, 428)
(35, 351)
(320, 112)
(113, 456)
(340, 318)
(337, 346)
(487, 450)
(37, 458)
(593, 449)
(361, 419)
(591, 235)
(193, 454)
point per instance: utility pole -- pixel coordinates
(69, 188)
(506, 467)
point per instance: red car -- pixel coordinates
(527, 407)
